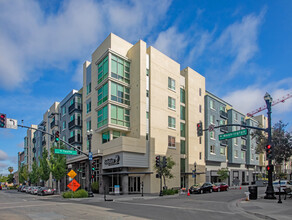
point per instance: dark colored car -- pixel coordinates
(206, 187)
(45, 191)
(0, 187)
(218, 187)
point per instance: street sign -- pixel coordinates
(72, 174)
(63, 151)
(90, 156)
(11, 123)
(73, 185)
(233, 134)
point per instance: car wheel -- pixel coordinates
(210, 190)
(226, 189)
(201, 191)
(43, 193)
(219, 189)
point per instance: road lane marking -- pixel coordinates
(24, 206)
(174, 207)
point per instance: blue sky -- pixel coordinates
(243, 48)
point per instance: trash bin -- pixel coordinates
(253, 192)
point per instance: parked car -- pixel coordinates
(45, 191)
(35, 190)
(217, 187)
(0, 187)
(19, 188)
(206, 187)
(284, 184)
(23, 189)
(28, 189)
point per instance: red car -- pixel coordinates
(217, 187)
(0, 187)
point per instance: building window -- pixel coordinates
(182, 147)
(171, 83)
(72, 133)
(235, 117)
(243, 155)
(200, 156)
(64, 125)
(235, 141)
(182, 129)
(88, 125)
(102, 94)
(171, 122)
(222, 122)
(117, 134)
(182, 112)
(222, 108)
(102, 70)
(212, 149)
(222, 151)
(105, 137)
(200, 92)
(171, 103)
(64, 138)
(72, 117)
(63, 110)
(72, 101)
(200, 108)
(212, 104)
(88, 107)
(236, 153)
(102, 116)
(171, 142)
(120, 93)
(212, 119)
(182, 165)
(200, 140)
(120, 116)
(252, 156)
(212, 135)
(79, 100)
(120, 69)
(182, 95)
(147, 72)
(147, 93)
(88, 88)
(87, 144)
(147, 115)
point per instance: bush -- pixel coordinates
(95, 187)
(81, 193)
(67, 195)
(170, 191)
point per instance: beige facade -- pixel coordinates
(29, 145)
(128, 109)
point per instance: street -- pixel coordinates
(16, 205)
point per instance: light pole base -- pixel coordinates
(90, 194)
(270, 193)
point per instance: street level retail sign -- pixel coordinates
(73, 185)
(72, 174)
(63, 151)
(233, 134)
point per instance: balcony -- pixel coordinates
(44, 142)
(74, 123)
(243, 147)
(75, 106)
(223, 114)
(76, 139)
(224, 129)
(54, 123)
(224, 143)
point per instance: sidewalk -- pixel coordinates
(266, 208)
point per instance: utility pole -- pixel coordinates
(270, 188)
(89, 136)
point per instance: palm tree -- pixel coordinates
(10, 169)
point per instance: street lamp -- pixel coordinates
(89, 137)
(270, 189)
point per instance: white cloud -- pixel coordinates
(3, 155)
(31, 40)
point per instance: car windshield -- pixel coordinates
(196, 185)
(217, 184)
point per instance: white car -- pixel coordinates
(283, 183)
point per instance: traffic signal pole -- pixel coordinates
(270, 188)
(90, 193)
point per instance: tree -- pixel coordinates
(34, 175)
(10, 178)
(44, 166)
(281, 142)
(10, 169)
(166, 172)
(58, 165)
(23, 174)
(223, 173)
(3, 179)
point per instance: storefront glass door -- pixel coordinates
(134, 184)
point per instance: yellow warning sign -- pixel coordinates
(72, 174)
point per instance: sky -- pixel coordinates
(242, 48)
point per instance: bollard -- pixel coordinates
(247, 196)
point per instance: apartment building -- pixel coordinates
(139, 104)
(29, 148)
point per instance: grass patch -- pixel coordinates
(169, 191)
(81, 193)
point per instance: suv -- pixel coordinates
(284, 184)
(206, 187)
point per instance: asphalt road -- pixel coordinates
(221, 205)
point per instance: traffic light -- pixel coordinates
(270, 168)
(269, 152)
(164, 162)
(93, 165)
(200, 129)
(57, 136)
(157, 161)
(2, 120)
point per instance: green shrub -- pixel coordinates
(169, 191)
(95, 187)
(67, 195)
(81, 193)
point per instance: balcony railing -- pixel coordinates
(243, 147)
(74, 123)
(243, 122)
(223, 114)
(76, 139)
(75, 106)
(224, 129)
(54, 123)
(224, 142)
